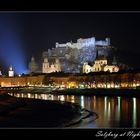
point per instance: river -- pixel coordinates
(113, 112)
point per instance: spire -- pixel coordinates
(97, 55)
(114, 62)
(10, 68)
(32, 59)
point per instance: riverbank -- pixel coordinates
(76, 91)
(101, 92)
(20, 112)
(26, 89)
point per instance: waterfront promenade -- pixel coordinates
(19, 113)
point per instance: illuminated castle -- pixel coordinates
(83, 43)
(54, 67)
(73, 55)
(101, 64)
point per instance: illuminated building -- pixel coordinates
(84, 42)
(73, 55)
(87, 68)
(100, 64)
(11, 72)
(93, 80)
(47, 68)
(111, 68)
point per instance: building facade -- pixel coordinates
(49, 68)
(100, 64)
(102, 80)
(11, 72)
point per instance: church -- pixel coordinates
(33, 66)
(53, 67)
(101, 64)
(47, 67)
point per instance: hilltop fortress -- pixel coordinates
(70, 57)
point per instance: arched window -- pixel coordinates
(113, 69)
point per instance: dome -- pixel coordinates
(33, 66)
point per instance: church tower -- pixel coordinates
(114, 62)
(57, 65)
(85, 67)
(45, 66)
(11, 72)
(33, 66)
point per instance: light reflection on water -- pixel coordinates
(82, 101)
(113, 111)
(134, 112)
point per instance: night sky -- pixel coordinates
(31, 33)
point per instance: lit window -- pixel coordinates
(113, 69)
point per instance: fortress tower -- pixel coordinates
(11, 72)
(45, 66)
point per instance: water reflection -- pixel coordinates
(61, 98)
(134, 112)
(73, 99)
(105, 106)
(118, 108)
(113, 111)
(108, 111)
(82, 101)
(94, 102)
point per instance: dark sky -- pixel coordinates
(39, 31)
